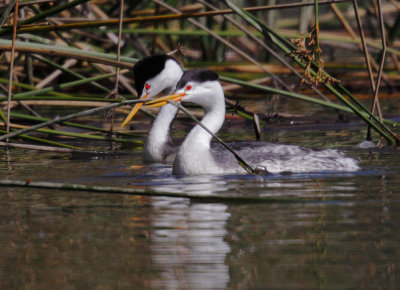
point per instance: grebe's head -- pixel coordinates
(198, 86)
(154, 75)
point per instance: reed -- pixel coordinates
(314, 71)
(68, 117)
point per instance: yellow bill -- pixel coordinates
(134, 111)
(163, 101)
(159, 104)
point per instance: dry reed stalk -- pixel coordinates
(38, 147)
(224, 41)
(30, 3)
(375, 105)
(51, 77)
(121, 18)
(62, 103)
(12, 65)
(100, 13)
(362, 45)
(113, 22)
(115, 92)
(251, 36)
(274, 54)
(87, 136)
(65, 54)
(396, 4)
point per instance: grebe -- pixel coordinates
(154, 75)
(195, 155)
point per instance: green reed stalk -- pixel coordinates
(52, 11)
(72, 124)
(89, 136)
(67, 85)
(31, 88)
(65, 70)
(59, 98)
(68, 117)
(6, 12)
(38, 140)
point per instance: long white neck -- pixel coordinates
(159, 142)
(160, 134)
(194, 155)
(213, 119)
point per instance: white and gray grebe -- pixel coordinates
(197, 156)
(156, 75)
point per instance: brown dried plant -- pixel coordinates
(309, 52)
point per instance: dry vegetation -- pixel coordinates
(76, 55)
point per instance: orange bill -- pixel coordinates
(134, 111)
(163, 101)
(159, 104)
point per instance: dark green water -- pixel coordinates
(340, 231)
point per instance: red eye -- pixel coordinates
(147, 86)
(188, 87)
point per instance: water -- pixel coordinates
(327, 230)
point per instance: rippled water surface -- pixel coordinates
(326, 230)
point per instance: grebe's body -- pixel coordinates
(153, 76)
(196, 156)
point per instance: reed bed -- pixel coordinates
(61, 60)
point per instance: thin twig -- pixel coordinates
(121, 18)
(375, 104)
(12, 65)
(364, 46)
(115, 92)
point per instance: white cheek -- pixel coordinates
(144, 92)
